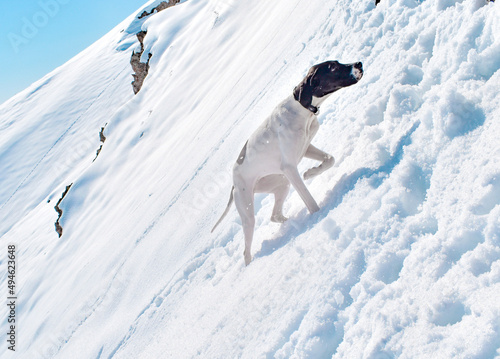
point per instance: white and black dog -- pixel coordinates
(268, 161)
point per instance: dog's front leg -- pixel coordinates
(293, 176)
(314, 153)
(291, 140)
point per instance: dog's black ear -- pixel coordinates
(304, 91)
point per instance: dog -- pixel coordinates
(268, 161)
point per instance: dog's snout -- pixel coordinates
(357, 70)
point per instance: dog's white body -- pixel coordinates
(269, 159)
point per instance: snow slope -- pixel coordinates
(403, 260)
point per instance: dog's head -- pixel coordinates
(325, 78)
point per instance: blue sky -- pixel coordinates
(36, 36)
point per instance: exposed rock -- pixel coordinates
(140, 36)
(59, 211)
(162, 6)
(141, 69)
(102, 138)
(101, 134)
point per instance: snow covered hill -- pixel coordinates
(403, 259)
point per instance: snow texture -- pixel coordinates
(403, 259)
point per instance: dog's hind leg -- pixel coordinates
(279, 186)
(243, 199)
(314, 153)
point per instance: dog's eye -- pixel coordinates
(333, 65)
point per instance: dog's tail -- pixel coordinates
(231, 198)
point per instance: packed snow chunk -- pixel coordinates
(330, 226)
(374, 113)
(491, 198)
(444, 4)
(416, 182)
(388, 266)
(457, 115)
(481, 260)
(461, 243)
(448, 312)
(403, 100)
(492, 231)
(412, 75)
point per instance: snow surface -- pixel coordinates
(403, 260)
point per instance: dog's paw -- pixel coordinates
(278, 218)
(310, 173)
(248, 258)
(313, 208)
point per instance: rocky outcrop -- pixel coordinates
(102, 138)
(162, 6)
(59, 211)
(141, 69)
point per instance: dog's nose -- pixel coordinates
(357, 70)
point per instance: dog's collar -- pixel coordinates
(313, 109)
